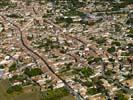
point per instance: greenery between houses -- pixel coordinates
(33, 72)
(55, 94)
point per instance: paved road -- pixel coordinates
(79, 97)
(48, 66)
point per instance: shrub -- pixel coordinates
(1, 67)
(111, 50)
(16, 88)
(101, 40)
(116, 43)
(92, 91)
(13, 67)
(87, 71)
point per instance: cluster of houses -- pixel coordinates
(91, 36)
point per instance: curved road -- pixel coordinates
(77, 94)
(79, 97)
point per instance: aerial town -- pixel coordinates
(66, 49)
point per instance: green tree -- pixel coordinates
(111, 50)
(15, 88)
(13, 67)
(86, 72)
(92, 91)
(112, 62)
(116, 43)
(1, 67)
(33, 72)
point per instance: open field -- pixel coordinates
(17, 96)
(3, 88)
(29, 93)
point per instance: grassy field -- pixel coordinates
(29, 93)
(3, 88)
(69, 97)
(17, 96)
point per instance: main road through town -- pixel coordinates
(76, 94)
